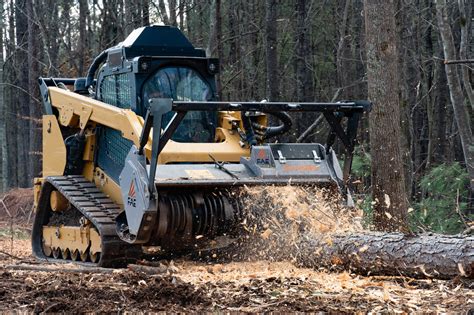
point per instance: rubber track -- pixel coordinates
(97, 208)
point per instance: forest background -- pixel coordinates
(294, 50)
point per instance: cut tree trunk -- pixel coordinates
(425, 255)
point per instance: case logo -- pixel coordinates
(132, 195)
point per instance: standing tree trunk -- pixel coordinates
(214, 29)
(22, 100)
(172, 7)
(163, 13)
(181, 14)
(34, 105)
(234, 65)
(220, 49)
(304, 78)
(455, 91)
(3, 139)
(12, 121)
(129, 23)
(271, 46)
(341, 71)
(465, 21)
(83, 38)
(388, 184)
(145, 13)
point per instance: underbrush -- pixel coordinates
(443, 207)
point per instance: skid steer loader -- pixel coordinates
(141, 153)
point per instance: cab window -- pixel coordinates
(183, 84)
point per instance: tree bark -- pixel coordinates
(22, 99)
(129, 24)
(457, 98)
(388, 184)
(304, 78)
(181, 9)
(219, 44)
(425, 255)
(271, 48)
(212, 40)
(12, 121)
(145, 13)
(172, 9)
(341, 70)
(83, 38)
(34, 106)
(3, 140)
(465, 21)
(163, 13)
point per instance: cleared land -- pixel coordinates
(186, 285)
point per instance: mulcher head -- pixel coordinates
(174, 205)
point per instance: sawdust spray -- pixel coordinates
(279, 217)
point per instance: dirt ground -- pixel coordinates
(184, 285)
(196, 286)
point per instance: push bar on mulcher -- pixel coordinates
(333, 112)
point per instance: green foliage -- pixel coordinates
(361, 163)
(446, 189)
(367, 207)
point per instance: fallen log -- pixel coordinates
(424, 255)
(310, 226)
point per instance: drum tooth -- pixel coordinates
(75, 255)
(84, 255)
(95, 257)
(56, 253)
(65, 253)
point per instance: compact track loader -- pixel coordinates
(140, 153)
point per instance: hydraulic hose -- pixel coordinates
(94, 66)
(249, 132)
(269, 132)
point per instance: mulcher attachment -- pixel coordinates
(173, 205)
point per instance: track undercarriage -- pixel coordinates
(81, 225)
(84, 230)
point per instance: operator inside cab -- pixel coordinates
(183, 84)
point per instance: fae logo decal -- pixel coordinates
(262, 157)
(132, 195)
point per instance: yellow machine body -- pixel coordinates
(140, 153)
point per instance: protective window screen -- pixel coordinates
(183, 84)
(116, 90)
(113, 149)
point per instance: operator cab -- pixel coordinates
(152, 62)
(159, 62)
